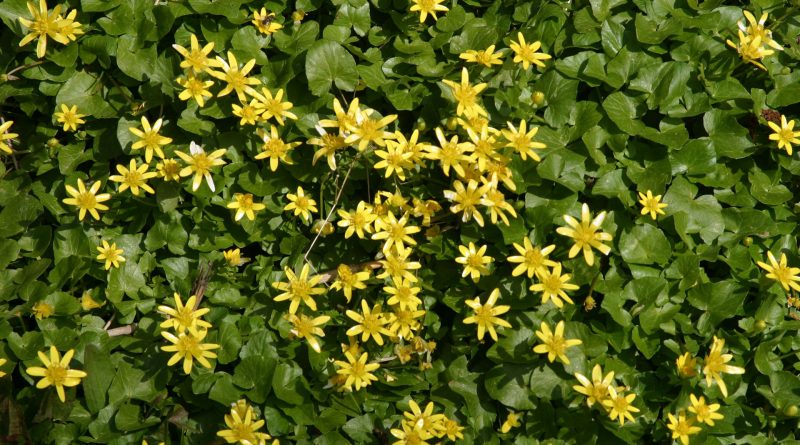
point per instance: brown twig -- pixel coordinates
(122, 330)
(201, 282)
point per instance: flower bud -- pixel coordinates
(760, 325)
(791, 410)
(537, 98)
(747, 241)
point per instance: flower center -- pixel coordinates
(56, 374)
(201, 163)
(86, 200)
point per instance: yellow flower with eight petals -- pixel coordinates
(651, 204)
(150, 139)
(299, 288)
(87, 200)
(200, 164)
(785, 134)
(586, 235)
(528, 54)
(553, 343)
(189, 346)
(69, 117)
(486, 315)
(110, 254)
(244, 205)
(425, 7)
(133, 178)
(56, 371)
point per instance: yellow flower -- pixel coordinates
(110, 254)
(395, 231)
(133, 178)
(344, 119)
(370, 323)
(528, 54)
(243, 426)
(328, 145)
(425, 210)
(466, 95)
(197, 59)
(56, 371)
(149, 139)
(486, 57)
(410, 434)
(394, 160)
(757, 29)
(619, 405)
(553, 343)
(248, 112)
(87, 200)
(426, 7)
(366, 130)
(704, 413)
(396, 265)
(275, 148)
(595, 390)
(234, 257)
(521, 141)
(194, 88)
(88, 303)
(450, 153)
(495, 201)
(512, 421)
(426, 420)
(169, 169)
(785, 134)
(486, 315)
(651, 204)
(299, 289)
(403, 293)
(44, 24)
(357, 221)
(405, 322)
(301, 204)
(184, 316)
(69, 117)
(453, 430)
(681, 427)
(586, 235)
(552, 285)
(357, 371)
(265, 22)
(781, 272)
(236, 78)
(750, 49)
(532, 260)
(347, 280)
(274, 106)
(5, 136)
(715, 363)
(42, 309)
(68, 27)
(465, 200)
(687, 365)
(200, 164)
(474, 261)
(189, 346)
(308, 328)
(244, 205)
(2, 363)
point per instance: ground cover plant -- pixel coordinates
(399, 222)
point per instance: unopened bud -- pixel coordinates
(53, 143)
(747, 241)
(761, 325)
(537, 98)
(791, 410)
(451, 123)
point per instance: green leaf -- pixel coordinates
(83, 89)
(289, 385)
(329, 63)
(645, 244)
(508, 384)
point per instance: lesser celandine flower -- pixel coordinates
(750, 49)
(5, 135)
(486, 57)
(358, 221)
(2, 363)
(358, 372)
(265, 22)
(344, 118)
(196, 59)
(188, 346)
(275, 148)
(42, 309)
(56, 371)
(169, 170)
(200, 164)
(619, 405)
(595, 390)
(428, 421)
(194, 88)
(308, 328)
(88, 303)
(757, 29)
(371, 323)
(486, 316)
(150, 139)
(367, 130)
(243, 425)
(527, 53)
(397, 266)
(244, 205)
(512, 421)
(585, 234)
(403, 293)
(651, 204)
(715, 364)
(682, 427)
(236, 78)
(347, 280)
(69, 117)
(466, 95)
(184, 317)
(474, 260)
(521, 140)
(703, 412)
(781, 272)
(553, 343)
(532, 260)
(234, 257)
(395, 232)
(450, 153)
(328, 144)
(465, 200)
(687, 365)
(299, 288)
(249, 113)
(785, 134)
(552, 284)
(274, 106)
(409, 434)
(44, 24)
(301, 204)
(133, 177)
(110, 254)
(425, 7)
(87, 200)
(394, 160)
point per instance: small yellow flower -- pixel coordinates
(404, 323)
(308, 328)
(265, 22)
(244, 205)
(715, 364)
(395, 160)
(189, 346)
(87, 200)
(249, 113)
(521, 140)
(395, 231)
(299, 288)
(88, 303)
(194, 88)
(169, 169)
(150, 139)
(42, 309)
(365, 130)
(552, 284)
(426, 420)
(785, 134)
(396, 265)
(651, 204)
(6, 136)
(687, 365)
(56, 371)
(301, 204)
(344, 119)
(44, 24)
(110, 254)
(681, 427)
(425, 210)
(236, 78)
(347, 280)
(133, 178)
(486, 57)
(757, 29)
(410, 434)
(371, 323)
(200, 164)
(425, 7)
(358, 221)
(532, 260)
(453, 430)
(68, 27)
(474, 261)
(781, 272)
(184, 316)
(512, 421)
(328, 144)
(465, 200)
(196, 59)
(619, 405)
(275, 148)
(274, 106)
(2, 363)
(234, 257)
(486, 315)
(403, 293)
(704, 413)
(243, 426)
(466, 95)
(595, 390)
(450, 153)
(585, 234)
(69, 117)
(750, 49)
(553, 343)
(528, 54)
(357, 371)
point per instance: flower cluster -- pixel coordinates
(189, 331)
(755, 39)
(603, 391)
(63, 28)
(243, 425)
(702, 413)
(419, 426)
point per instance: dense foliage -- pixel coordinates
(399, 222)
